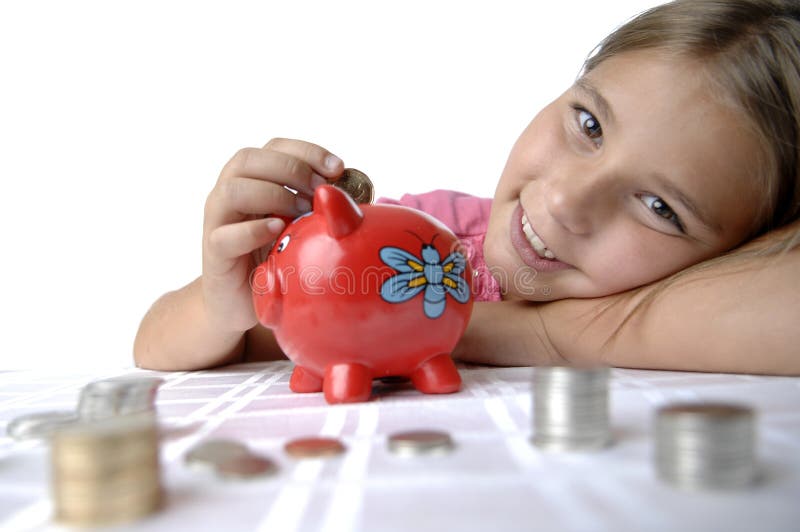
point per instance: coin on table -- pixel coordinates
(245, 466)
(118, 396)
(357, 185)
(39, 425)
(314, 447)
(418, 442)
(705, 445)
(571, 408)
(210, 453)
(106, 471)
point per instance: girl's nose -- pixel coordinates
(577, 201)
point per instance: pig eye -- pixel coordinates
(283, 243)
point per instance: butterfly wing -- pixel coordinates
(403, 286)
(454, 263)
(457, 287)
(400, 259)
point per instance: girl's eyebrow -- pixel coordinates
(589, 90)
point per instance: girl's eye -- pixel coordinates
(283, 243)
(590, 126)
(660, 208)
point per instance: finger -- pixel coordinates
(251, 196)
(235, 198)
(228, 243)
(273, 166)
(321, 160)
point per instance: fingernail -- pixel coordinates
(275, 224)
(317, 180)
(302, 204)
(332, 162)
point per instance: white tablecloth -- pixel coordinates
(494, 480)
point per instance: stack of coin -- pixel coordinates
(357, 185)
(118, 396)
(228, 459)
(570, 408)
(98, 400)
(106, 472)
(705, 445)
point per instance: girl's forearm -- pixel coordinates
(175, 334)
(506, 333)
(737, 317)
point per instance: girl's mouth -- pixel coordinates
(535, 240)
(530, 247)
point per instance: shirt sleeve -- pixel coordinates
(464, 214)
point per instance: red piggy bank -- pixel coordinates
(354, 293)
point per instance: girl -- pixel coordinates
(677, 144)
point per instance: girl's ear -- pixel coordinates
(342, 215)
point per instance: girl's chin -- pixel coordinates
(521, 283)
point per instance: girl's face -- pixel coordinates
(634, 173)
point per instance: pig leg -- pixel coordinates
(347, 383)
(302, 381)
(437, 375)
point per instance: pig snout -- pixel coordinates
(266, 288)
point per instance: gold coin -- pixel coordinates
(314, 447)
(357, 185)
(105, 471)
(720, 411)
(245, 466)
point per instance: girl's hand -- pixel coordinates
(239, 219)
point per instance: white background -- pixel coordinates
(116, 117)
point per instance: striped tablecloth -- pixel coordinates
(493, 480)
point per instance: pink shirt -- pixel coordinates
(468, 217)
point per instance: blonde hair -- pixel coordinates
(750, 50)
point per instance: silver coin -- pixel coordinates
(210, 453)
(419, 442)
(39, 425)
(570, 408)
(118, 396)
(705, 445)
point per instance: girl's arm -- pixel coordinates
(741, 317)
(176, 334)
(208, 322)
(731, 318)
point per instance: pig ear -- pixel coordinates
(342, 215)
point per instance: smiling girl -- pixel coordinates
(635, 172)
(677, 144)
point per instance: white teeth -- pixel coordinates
(535, 241)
